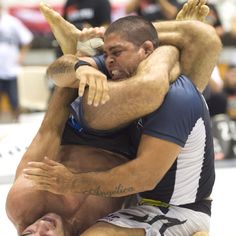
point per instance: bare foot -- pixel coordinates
(193, 10)
(88, 41)
(65, 33)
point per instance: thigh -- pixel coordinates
(106, 229)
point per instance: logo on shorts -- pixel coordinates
(111, 217)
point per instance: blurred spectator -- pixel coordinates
(87, 13)
(154, 10)
(15, 40)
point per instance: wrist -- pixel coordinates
(81, 63)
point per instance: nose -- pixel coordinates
(110, 60)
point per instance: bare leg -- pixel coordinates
(47, 141)
(65, 33)
(71, 39)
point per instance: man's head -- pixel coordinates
(127, 42)
(49, 225)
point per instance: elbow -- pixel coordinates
(54, 77)
(147, 178)
(151, 186)
(148, 183)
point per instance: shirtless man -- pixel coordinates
(74, 220)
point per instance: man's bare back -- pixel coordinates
(25, 205)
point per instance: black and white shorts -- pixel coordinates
(161, 221)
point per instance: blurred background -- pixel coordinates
(22, 106)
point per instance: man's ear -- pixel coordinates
(148, 48)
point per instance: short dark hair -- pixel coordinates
(134, 29)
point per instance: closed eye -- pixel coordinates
(116, 53)
(26, 234)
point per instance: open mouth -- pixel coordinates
(116, 75)
(50, 220)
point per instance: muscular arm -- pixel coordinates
(131, 98)
(199, 47)
(55, 178)
(114, 183)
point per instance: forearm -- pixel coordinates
(137, 96)
(62, 71)
(112, 183)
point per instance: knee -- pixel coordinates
(201, 234)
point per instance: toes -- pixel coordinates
(192, 5)
(204, 10)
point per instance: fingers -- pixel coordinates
(82, 84)
(51, 162)
(39, 165)
(92, 90)
(98, 95)
(97, 87)
(98, 91)
(46, 184)
(37, 175)
(40, 168)
(105, 94)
